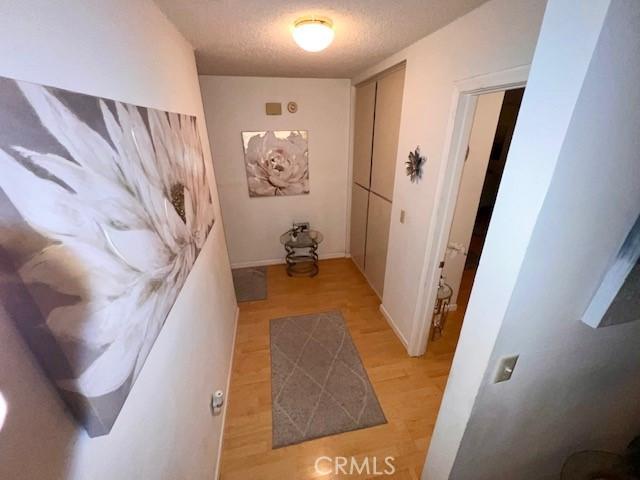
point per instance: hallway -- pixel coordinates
(409, 389)
(164, 165)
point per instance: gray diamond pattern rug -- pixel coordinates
(318, 384)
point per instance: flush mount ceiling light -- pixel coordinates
(313, 34)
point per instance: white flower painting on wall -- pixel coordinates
(277, 162)
(104, 207)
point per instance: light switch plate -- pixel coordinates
(505, 368)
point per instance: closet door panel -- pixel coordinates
(386, 130)
(359, 200)
(379, 220)
(363, 133)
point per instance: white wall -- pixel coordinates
(127, 51)
(499, 35)
(545, 113)
(574, 388)
(253, 225)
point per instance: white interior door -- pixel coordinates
(483, 132)
(359, 209)
(363, 133)
(378, 222)
(385, 133)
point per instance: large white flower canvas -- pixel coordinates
(276, 162)
(104, 208)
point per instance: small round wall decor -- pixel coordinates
(292, 107)
(415, 164)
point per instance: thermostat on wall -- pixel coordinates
(273, 108)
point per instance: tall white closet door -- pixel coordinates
(377, 125)
(363, 133)
(378, 222)
(385, 133)
(359, 201)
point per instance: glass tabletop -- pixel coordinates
(308, 238)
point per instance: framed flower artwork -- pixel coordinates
(104, 208)
(276, 162)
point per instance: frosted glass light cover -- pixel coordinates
(313, 35)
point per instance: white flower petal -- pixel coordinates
(110, 202)
(85, 145)
(60, 217)
(77, 268)
(95, 324)
(111, 369)
(140, 248)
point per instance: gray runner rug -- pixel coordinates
(318, 384)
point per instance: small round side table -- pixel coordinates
(302, 252)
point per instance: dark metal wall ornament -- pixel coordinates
(415, 164)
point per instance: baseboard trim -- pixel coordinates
(227, 395)
(393, 326)
(258, 263)
(359, 269)
(280, 261)
(330, 256)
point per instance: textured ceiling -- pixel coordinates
(252, 37)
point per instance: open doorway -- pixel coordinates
(491, 132)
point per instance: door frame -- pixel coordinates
(465, 98)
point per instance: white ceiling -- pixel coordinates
(252, 37)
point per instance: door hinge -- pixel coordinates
(466, 155)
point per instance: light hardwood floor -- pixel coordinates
(409, 389)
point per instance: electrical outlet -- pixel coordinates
(505, 368)
(217, 401)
